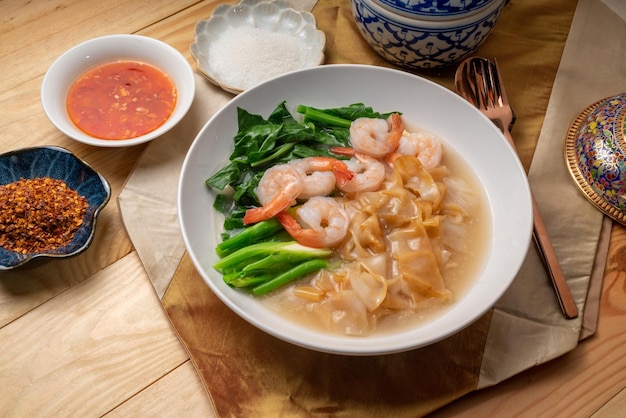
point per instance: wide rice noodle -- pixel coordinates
(394, 254)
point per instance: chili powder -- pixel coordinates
(39, 214)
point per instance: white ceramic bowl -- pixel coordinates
(84, 56)
(414, 42)
(235, 68)
(424, 104)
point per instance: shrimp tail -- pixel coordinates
(342, 173)
(396, 130)
(339, 168)
(306, 237)
(289, 223)
(349, 152)
(261, 213)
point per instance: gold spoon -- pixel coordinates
(478, 80)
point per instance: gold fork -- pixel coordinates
(478, 80)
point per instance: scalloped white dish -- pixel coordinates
(245, 44)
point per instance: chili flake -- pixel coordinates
(39, 214)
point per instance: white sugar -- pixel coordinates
(245, 56)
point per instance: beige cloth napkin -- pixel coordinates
(148, 201)
(592, 67)
(527, 329)
(618, 6)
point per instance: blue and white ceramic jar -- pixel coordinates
(435, 9)
(415, 43)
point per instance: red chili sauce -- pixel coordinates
(121, 100)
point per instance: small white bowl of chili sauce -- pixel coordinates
(118, 90)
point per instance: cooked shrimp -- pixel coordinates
(318, 183)
(278, 189)
(323, 222)
(376, 137)
(320, 175)
(424, 146)
(369, 173)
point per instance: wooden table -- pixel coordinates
(88, 336)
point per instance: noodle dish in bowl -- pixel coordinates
(354, 209)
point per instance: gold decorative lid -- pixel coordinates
(595, 152)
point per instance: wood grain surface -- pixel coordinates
(88, 336)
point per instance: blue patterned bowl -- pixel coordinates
(416, 43)
(56, 163)
(435, 9)
(595, 150)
